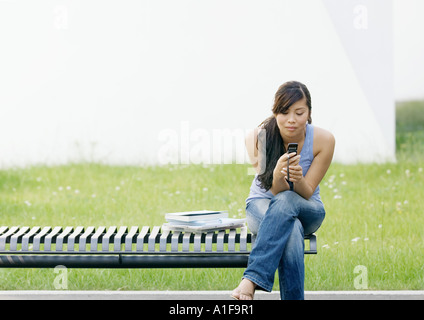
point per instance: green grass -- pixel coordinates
(374, 216)
(410, 130)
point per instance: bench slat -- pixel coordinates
(232, 241)
(140, 238)
(243, 239)
(174, 241)
(129, 239)
(163, 240)
(14, 238)
(106, 238)
(117, 242)
(61, 237)
(26, 238)
(197, 242)
(4, 237)
(37, 239)
(94, 242)
(49, 238)
(152, 239)
(71, 240)
(186, 242)
(220, 241)
(82, 245)
(3, 229)
(209, 239)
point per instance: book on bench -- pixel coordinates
(193, 216)
(201, 221)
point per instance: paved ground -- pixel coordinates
(203, 295)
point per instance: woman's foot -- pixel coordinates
(245, 290)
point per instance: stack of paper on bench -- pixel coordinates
(201, 221)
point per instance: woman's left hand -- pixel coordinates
(296, 173)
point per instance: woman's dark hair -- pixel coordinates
(288, 94)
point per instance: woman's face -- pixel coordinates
(292, 122)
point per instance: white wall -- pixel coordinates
(137, 82)
(409, 49)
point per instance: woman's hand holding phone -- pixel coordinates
(294, 172)
(280, 171)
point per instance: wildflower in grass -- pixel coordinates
(68, 188)
(326, 246)
(205, 189)
(117, 188)
(420, 170)
(27, 203)
(399, 207)
(337, 196)
(407, 172)
(389, 171)
(355, 239)
(232, 204)
(77, 191)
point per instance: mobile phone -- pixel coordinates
(292, 148)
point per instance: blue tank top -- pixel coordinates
(306, 157)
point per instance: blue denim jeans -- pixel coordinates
(280, 225)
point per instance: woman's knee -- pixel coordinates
(253, 223)
(286, 196)
(284, 203)
(255, 212)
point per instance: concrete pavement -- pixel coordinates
(203, 295)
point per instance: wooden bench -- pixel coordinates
(126, 247)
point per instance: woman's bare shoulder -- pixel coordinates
(323, 139)
(323, 134)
